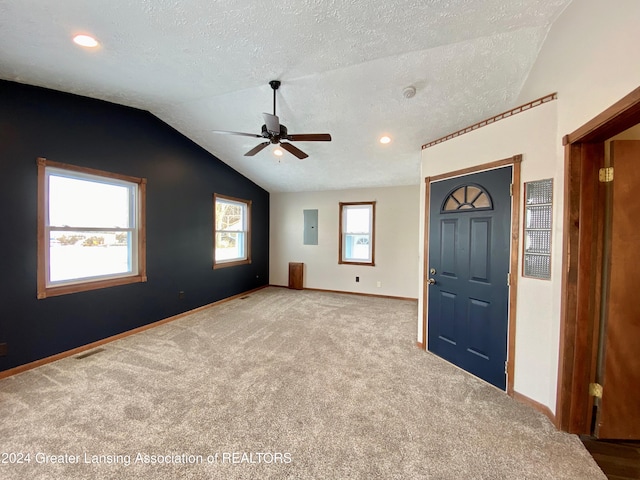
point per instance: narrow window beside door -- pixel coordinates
(537, 229)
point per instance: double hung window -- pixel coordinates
(90, 229)
(232, 241)
(357, 233)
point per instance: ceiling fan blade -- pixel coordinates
(237, 133)
(272, 122)
(256, 149)
(294, 150)
(310, 137)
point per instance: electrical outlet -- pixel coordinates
(3, 349)
(181, 295)
(357, 279)
(379, 284)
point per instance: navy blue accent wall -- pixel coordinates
(181, 179)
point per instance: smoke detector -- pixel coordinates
(409, 92)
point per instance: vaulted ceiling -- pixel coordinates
(203, 65)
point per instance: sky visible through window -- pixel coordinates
(357, 219)
(84, 203)
(357, 231)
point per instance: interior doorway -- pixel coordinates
(599, 374)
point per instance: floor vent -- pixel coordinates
(88, 354)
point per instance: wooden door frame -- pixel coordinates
(514, 162)
(581, 260)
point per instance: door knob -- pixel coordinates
(431, 281)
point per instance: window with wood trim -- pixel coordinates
(357, 233)
(91, 229)
(538, 214)
(232, 231)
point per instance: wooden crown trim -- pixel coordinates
(489, 121)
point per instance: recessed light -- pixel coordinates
(85, 41)
(277, 152)
(385, 139)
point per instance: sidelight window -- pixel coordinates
(537, 229)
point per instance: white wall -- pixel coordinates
(396, 254)
(590, 59)
(532, 134)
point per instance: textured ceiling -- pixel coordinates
(201, 65)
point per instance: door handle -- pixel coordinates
(431, 281)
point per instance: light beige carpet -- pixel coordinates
(283, 384)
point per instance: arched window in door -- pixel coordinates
(467, 197)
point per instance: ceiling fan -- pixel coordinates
(275, 132)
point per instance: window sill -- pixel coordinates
(365, 264)
(86, 286)
(231, 264)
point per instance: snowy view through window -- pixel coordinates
(90, 228)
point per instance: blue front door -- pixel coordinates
(469, 256)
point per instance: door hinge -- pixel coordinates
(508, 279)
(605, 174)
(595, 390)
(506, 367)
(511, 189)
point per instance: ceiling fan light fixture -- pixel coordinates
(273, 132)
(86, 41)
